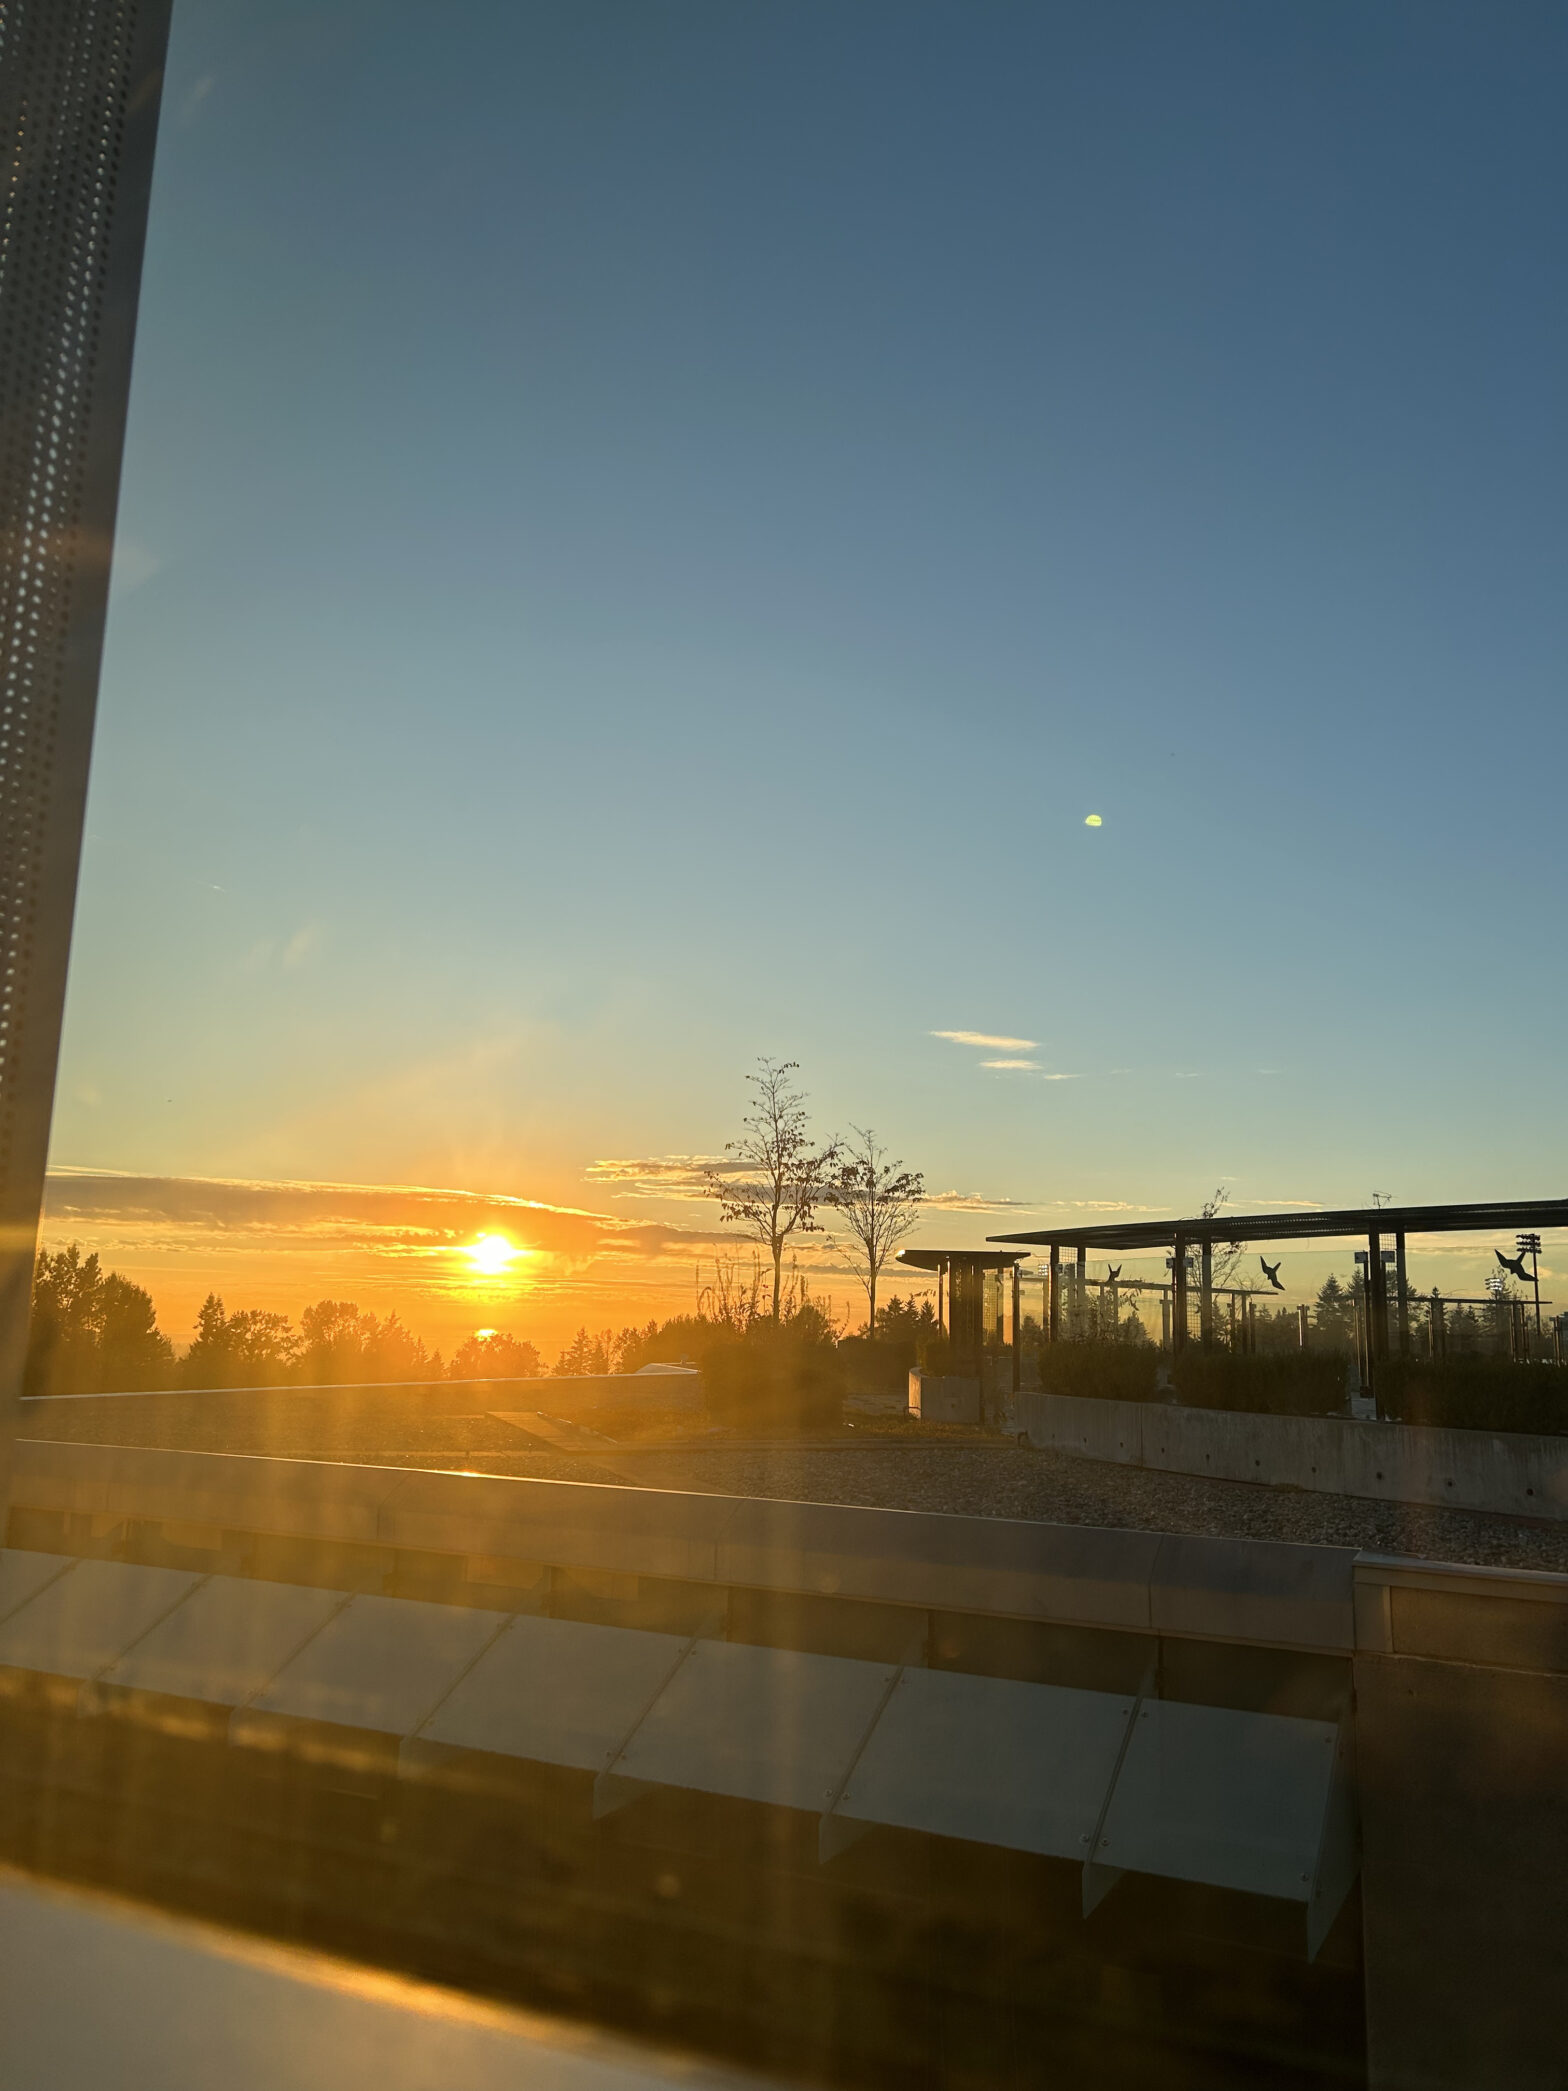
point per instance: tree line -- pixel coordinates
(96, 1332)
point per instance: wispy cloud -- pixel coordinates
(134, 563)
(972, 1201)
(305, 940)
(993, 1040)
(661, 1175)
(685, 1176)
(1028, 1066)
(1055, 1205)
(197, 95)
(381, 1220)
(280, 1243)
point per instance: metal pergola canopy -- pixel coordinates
(1511, 1215)
(970, 1259)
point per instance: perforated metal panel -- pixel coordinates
(79, 89)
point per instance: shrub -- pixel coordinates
(774, 1377)
(1298, 1383)
(876, 1368)
(1475, 1394)
(1104, 1371)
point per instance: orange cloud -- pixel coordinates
(281, 1244)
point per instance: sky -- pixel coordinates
(648, 528)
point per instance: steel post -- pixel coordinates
(1018, 1341)
(1402, 1305)
(1377, 1306)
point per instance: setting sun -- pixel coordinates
(492, 1255)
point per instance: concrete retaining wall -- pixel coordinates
(1389, 1462)
(482, 1538)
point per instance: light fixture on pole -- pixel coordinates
(1530, 1245)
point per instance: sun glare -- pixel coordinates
(492, 1255)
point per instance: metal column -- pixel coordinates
(1018, 1341)
(1053, 1288)
(1179, 1295)
(1206, 1295)
(1377, 1306)
(80, 83)
(1401, 1304)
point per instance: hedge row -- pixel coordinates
(1475, 1394)
(1458, 1394)
(1293, 1383)
(1102, 1371)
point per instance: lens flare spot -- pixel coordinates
(1093, 820)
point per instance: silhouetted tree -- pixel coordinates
(588, 1354)
(1334, 1312)
(247, 1349)
(92, 1331)
(393, 1351)
(679, 1341)
(901, 1321)
(334, 1341)
(343, 1345)
(495, 1354)
(878, 1201)
(62, 1343)
(133, 1353)
(781, 1175)
(1224, 1257)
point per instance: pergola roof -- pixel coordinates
(976, 1259)
(1512, 1215)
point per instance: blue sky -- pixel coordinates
(648, 526)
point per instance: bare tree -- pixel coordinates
(1226, 1257)
(778, 1176)
(879, 1201)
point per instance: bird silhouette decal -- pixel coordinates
(1514, 1264)
(1271, 1272)
(1112, 1273)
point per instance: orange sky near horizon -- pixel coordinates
(409, 1249)
(404, 1248)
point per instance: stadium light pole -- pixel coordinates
(1530, 1245)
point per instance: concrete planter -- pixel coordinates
(1386, 1462)
(944, 1397)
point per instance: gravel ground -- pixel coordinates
(1056, 1488)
